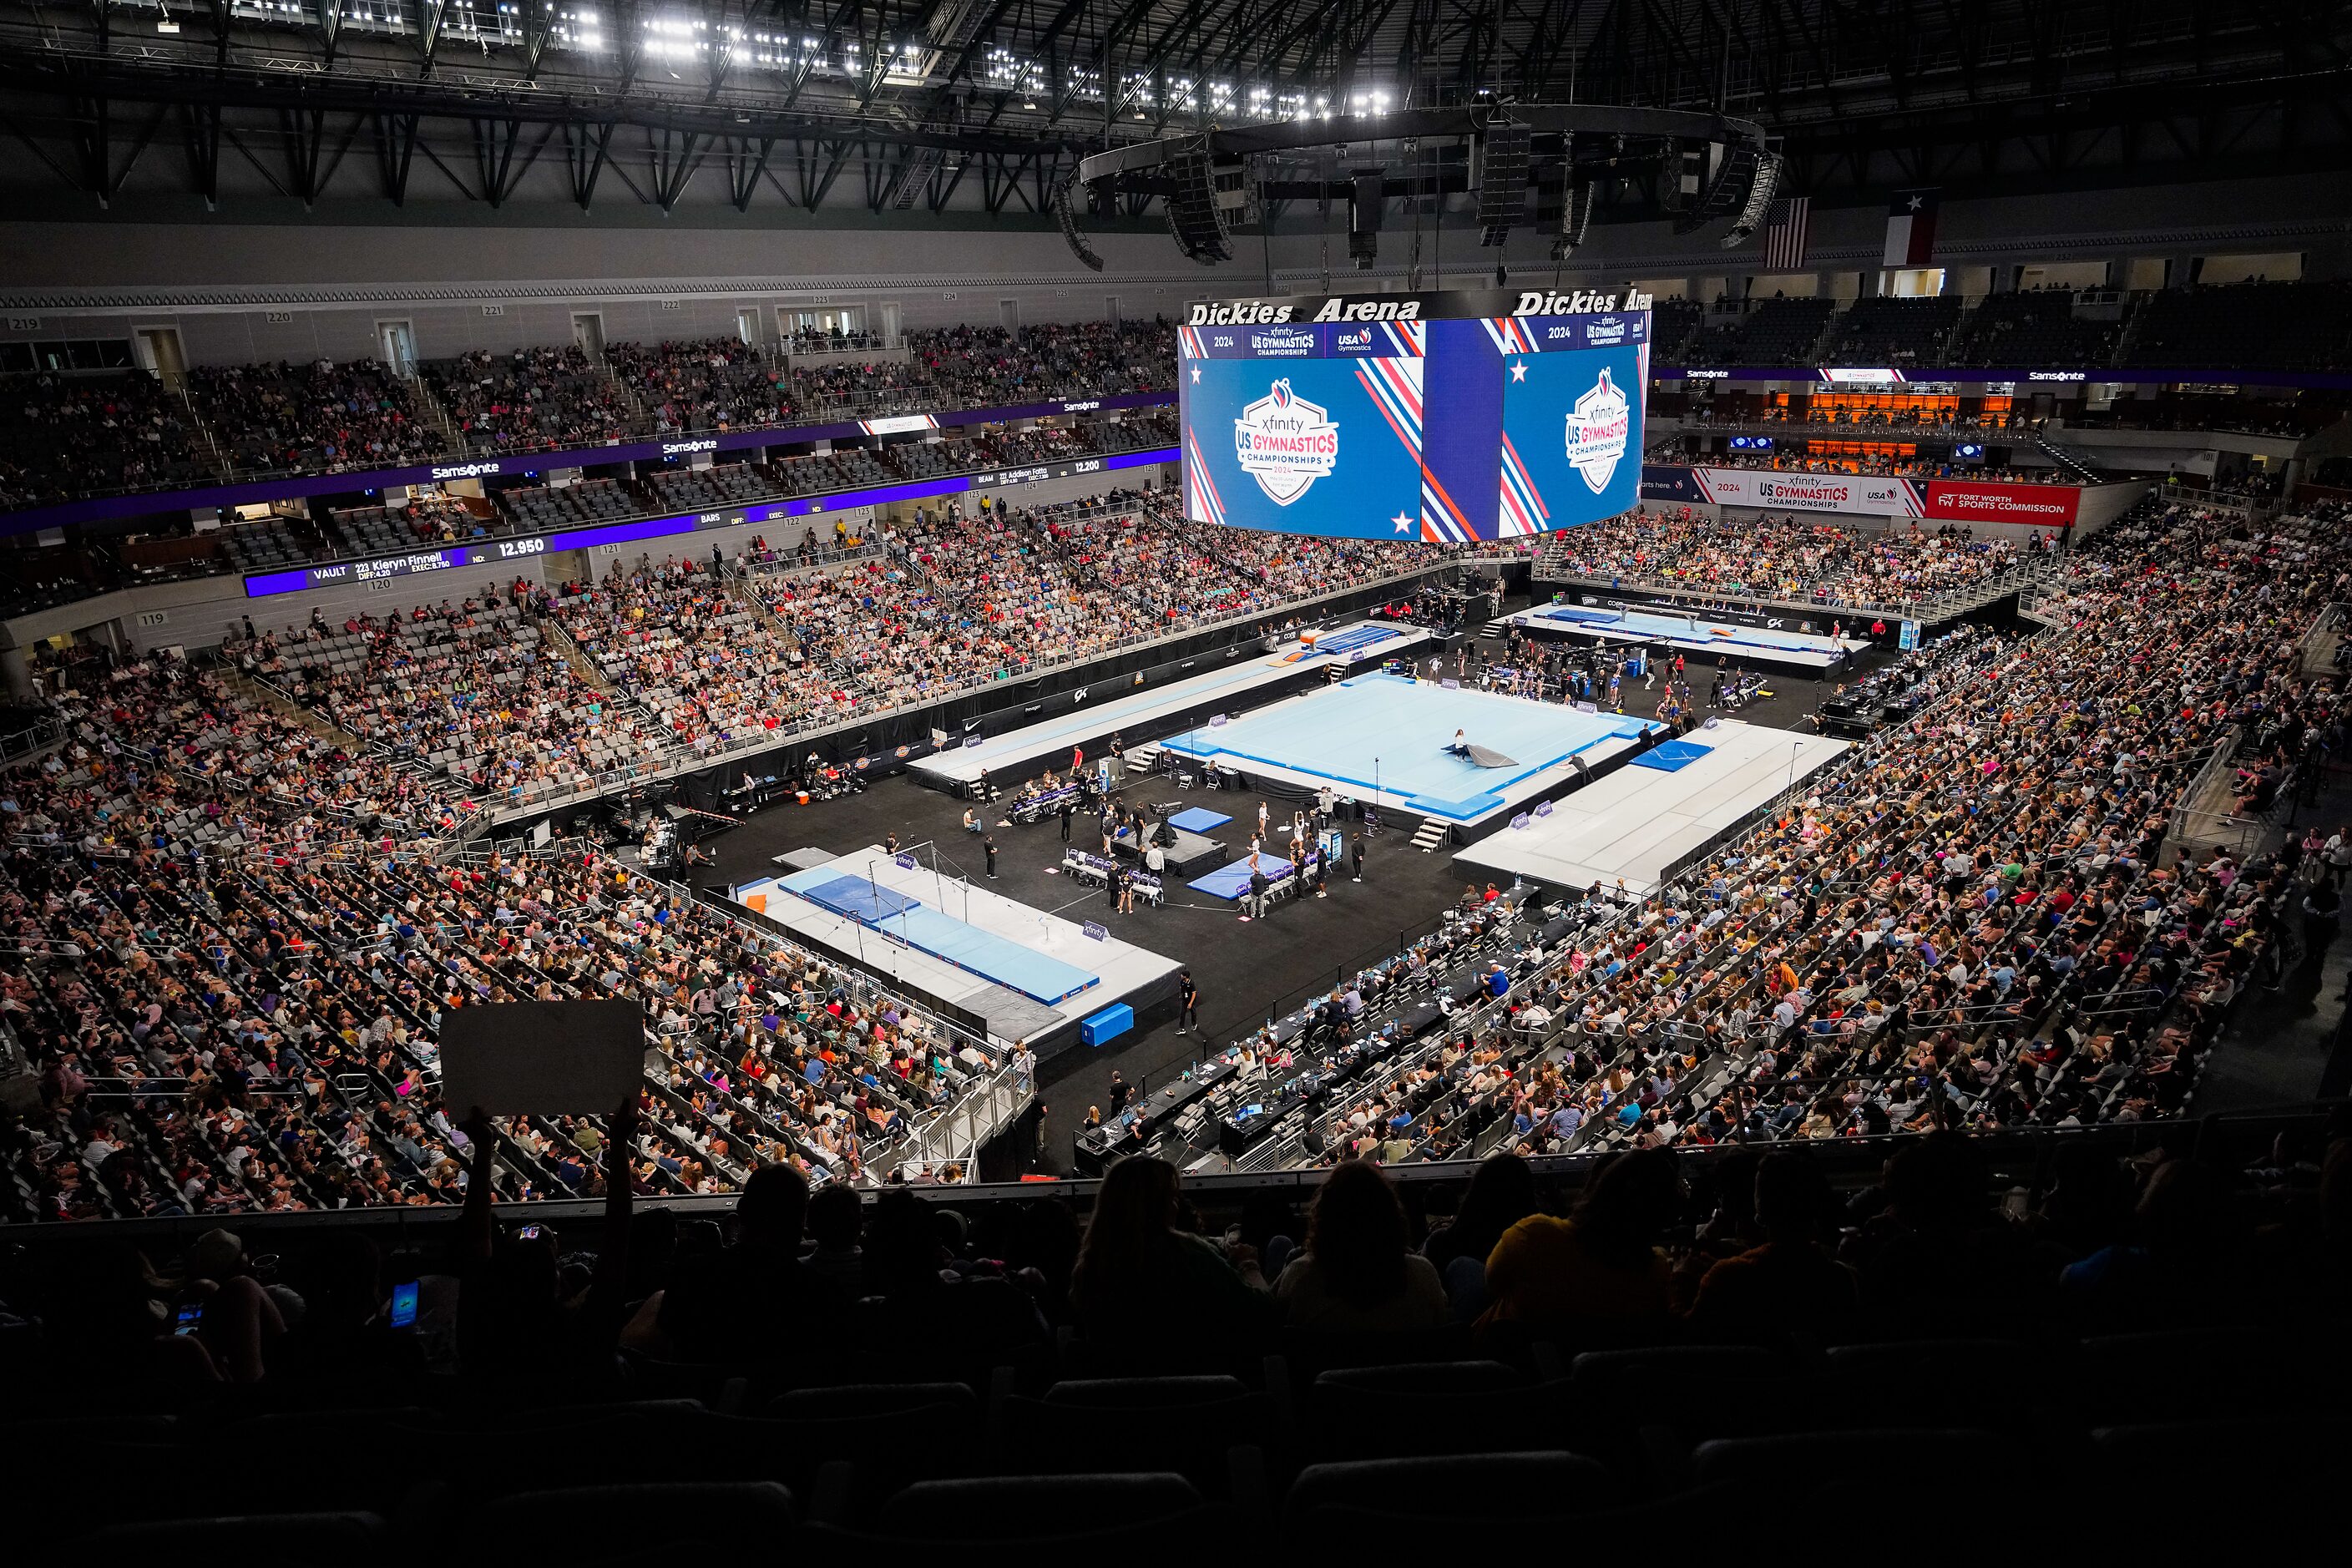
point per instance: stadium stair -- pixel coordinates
(1428, 834)
(2075, 467)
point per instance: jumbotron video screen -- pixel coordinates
(1443, 417)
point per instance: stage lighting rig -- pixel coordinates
(1503, 151)
(1214, 181)
(1730, 175)
(1575, 213)
(1367, 199)
(1206, 196)
(1760, 192)
(1070, 232)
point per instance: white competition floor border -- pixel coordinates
(1227, 690)
(1638, 821)
(1816, 658)
(1126, 973)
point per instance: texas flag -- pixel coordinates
(1911, 228)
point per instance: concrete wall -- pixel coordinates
(240, 291)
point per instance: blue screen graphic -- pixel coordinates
(1572, 437)
(1448, 430)
(1310, 446)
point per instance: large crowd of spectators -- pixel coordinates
(718, 383)
(263, 1038)
(1788, 558)
(233, 961)
(475, 692)
(63, 436)
(533, 399)
(1968, 923)
(320, 417)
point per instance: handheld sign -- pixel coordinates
(542, 1058)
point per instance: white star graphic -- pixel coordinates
(1519, 370)
(1404, 520)
(1196, 375)
(1917, 202)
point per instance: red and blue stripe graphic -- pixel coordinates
(1510, 337)
(1204, 505)
(1395, 389)
(1524, 512)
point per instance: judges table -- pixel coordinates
(1217, 1107)
(1135, 1128)
(1408, 1007)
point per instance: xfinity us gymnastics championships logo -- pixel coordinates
(1598, 427)
(1286, 443)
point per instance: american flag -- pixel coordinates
(1784, 233)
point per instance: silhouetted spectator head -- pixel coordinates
(1502, 1193)
(773, 1205)
(834, 1217)
(902, 1247)
(1629, 1202)
(1356, 1235)
(1792, 1196)
(1134, 1207)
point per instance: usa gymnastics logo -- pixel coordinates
(1598, 427)
(1286, 443)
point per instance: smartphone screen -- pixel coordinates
(404, 1305)
(192, 1318)
(528, 1233)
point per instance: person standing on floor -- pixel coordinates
(1069, 809)
(1188, 1003)
(1257, 893)
(1356, 854)
(988, 848)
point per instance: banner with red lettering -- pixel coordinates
(1977, 500)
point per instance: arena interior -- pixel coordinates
(1794, 988)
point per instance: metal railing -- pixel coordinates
(954, 1135)
(38, 736)
(2193, 825)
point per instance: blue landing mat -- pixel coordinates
(861, 900)
(1230, 882)
(1672, 756)
(1198, 819)
(1039, 976)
